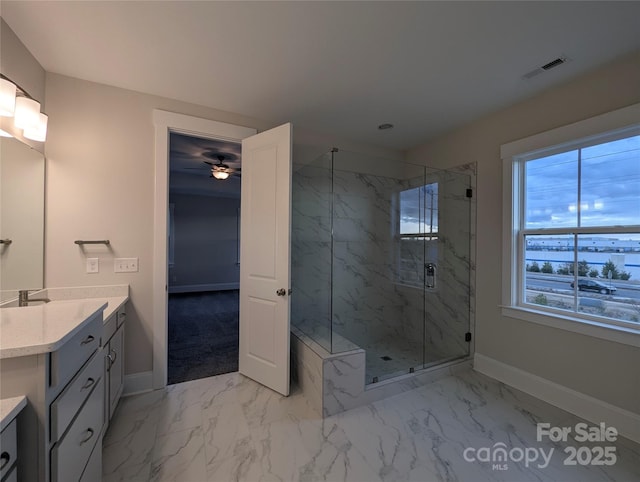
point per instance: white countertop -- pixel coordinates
(43, 328)
(113, 303)
(9, 409)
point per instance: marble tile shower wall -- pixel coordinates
(366, 308)
(369, 305)
(311, 253)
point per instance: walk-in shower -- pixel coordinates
(381, 261)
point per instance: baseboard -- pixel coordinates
(137, 383)
(585, 406)
(204, 287)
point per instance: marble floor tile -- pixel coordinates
(133, 473)
(179, 456)
(131, 434)
(229, 428)
(229, 449)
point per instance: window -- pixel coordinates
(573, 230)
(418, 225)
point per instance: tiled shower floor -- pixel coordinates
(403, 354)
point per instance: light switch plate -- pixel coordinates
(93, 265)
(125, 265)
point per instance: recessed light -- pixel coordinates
(384, 127)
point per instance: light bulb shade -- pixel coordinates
(222, 175)
(7, 98)
(27, 113)
(38, 133)
(4, 133)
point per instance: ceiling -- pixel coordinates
(334, 68)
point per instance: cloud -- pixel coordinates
(609, 191)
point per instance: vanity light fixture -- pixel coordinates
(39, 132)
(222, 175)
(16, 103)
(27, 114)
(7, 98)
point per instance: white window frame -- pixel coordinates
(514, 154)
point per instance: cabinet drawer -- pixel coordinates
(66, 361)
(8, 448)
(13, 475)
(93, 471)
(68, 403)
(70, 456)
(110, 327)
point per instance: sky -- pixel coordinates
(609, 191)
(419, 209)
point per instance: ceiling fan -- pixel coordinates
(220, 170)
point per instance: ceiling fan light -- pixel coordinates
(222, 175)
(27, 114)
(7, 98)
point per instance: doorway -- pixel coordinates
(265, 282)
(203, 257)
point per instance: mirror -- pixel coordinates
(22, 174)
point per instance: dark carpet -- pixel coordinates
(203, 335)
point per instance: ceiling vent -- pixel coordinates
(546, 67)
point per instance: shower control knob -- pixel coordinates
(281, 292)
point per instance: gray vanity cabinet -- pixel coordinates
(61, 426)
(9, 455)
(113, 348)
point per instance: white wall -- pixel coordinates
(206, 241)
(601, 369)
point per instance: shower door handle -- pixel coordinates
(430, 275)
(281, 292)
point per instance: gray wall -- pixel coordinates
(602, 369)
(206, 243)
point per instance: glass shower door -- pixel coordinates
(447, 268)
(378, 255)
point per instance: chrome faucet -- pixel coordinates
(23, 298)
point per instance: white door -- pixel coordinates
(265, 215)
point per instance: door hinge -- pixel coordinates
(467, 336)
(469, 192)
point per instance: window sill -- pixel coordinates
(618, 334)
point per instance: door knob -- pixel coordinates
(281, 292)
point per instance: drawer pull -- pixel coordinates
(115, 355)
(111, 360)
(88, 437)
(88, 339)
(89, 383)
(4, 459)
